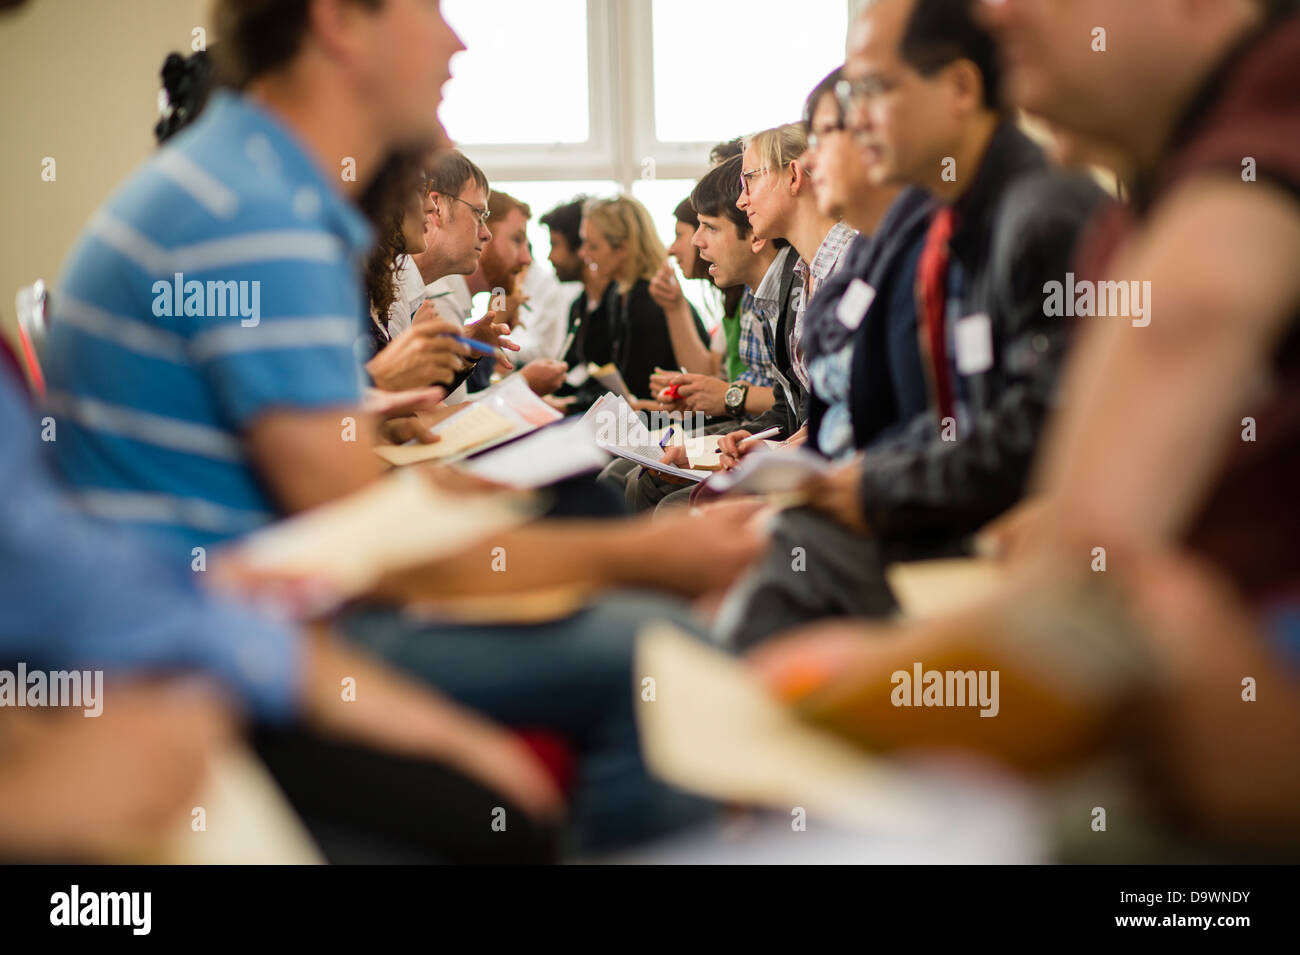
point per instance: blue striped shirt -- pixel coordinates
(221, 281)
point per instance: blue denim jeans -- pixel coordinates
(573, 677)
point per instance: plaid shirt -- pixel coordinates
(761, 305)
(824, 264)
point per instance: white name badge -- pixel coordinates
(854, 303)
(973, 339)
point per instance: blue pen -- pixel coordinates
(664, 440)
(477, 346)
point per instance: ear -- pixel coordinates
(439, 203)
(757, 245)
(798, 178)
(967, 85)
(333, 26)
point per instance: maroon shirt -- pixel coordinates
(1249, 524)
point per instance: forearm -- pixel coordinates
(758, 400)
(692, 354)
(595, 554)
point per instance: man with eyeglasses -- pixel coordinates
(921, 91)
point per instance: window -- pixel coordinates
(560, 97)
(523, 78)
(795, 45)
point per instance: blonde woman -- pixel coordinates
(619, 243)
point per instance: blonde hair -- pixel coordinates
(779, 146)
(626, 224)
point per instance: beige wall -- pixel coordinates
(78, 82)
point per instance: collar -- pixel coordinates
(1010, 154)
(768, 292)
(829, 252)
(273, 147)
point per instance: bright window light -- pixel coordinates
(704, 92)
(523, 78)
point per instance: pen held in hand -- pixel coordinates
(758, 437)
(476, 345)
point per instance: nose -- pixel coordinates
(525, 257)
(696, 239)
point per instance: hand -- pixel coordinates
(647, 404)
(664, 288)
(82, 788)
(661, 379)
(425, 354)
(674, 454)
(394, 712)
(731, 450)
(560, 404)
(701, 550)
(838, 495)
(409, 428)
(1014, 533)
(492, 333)
(703, 393)
(805, 659)
(544, 375)
(398, 403)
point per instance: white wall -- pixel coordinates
(78, 82)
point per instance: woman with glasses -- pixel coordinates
(619, 243)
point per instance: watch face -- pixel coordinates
(735, 394)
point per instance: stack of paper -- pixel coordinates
(554, 453)
(506, 410)
(619, 430)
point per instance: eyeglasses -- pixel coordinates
(481, 214)
(748, 175)
(850, 93)
(816, 139)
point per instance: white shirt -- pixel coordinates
(540, 332)
(410, 293)
(451, 299)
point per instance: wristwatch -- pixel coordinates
(734, 399)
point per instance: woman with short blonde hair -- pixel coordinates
(628, 328)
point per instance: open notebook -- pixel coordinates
(712, 729)
(505, 411)
(395, 523)
(618, 429)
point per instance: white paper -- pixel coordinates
(548, 455)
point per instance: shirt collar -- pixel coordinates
(829, 252)
(273, 146)
(769, 290)
(1010, 154)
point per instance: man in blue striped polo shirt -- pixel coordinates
(221, 281)
(203, 379)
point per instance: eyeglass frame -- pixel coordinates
(483, 215)
(747, 174)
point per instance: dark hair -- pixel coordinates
(384, 204)
(566, 219)
(939, 32)
(825, 88)
(685, 213)
(261, 36)
(724, 151)
(188, 82)
(452, 171)
(717, 191)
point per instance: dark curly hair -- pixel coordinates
(384, 202)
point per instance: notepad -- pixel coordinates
(617, 429)
(248, 821)
(712, 728)
(473, 427)
(610, 378)
(782, 471)
(395, 523)
(932, 588)
(702, 452)
(554, 453)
